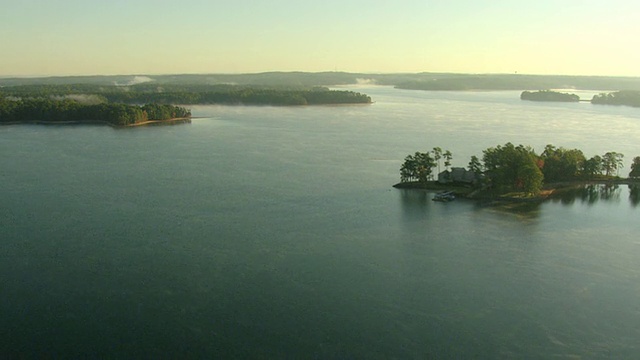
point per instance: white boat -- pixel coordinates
(444, 196)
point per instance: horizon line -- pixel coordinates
(301, 72)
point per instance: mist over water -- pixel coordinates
(274, 232)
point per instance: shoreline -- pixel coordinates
(548, 191)
(172, 121)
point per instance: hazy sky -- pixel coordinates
(83, 37)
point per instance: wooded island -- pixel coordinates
(626, 97)
(548, 95)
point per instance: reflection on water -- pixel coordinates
(417, 203)
(522, 210)
(634, 194)
(593, 193)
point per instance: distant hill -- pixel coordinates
(415, 81)
(518, 82)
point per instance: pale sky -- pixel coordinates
(108, 37)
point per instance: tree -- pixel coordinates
(408, 169)
(635, 168)
(513, 167)
(417, 167)
(592, 167)
(447, 159)
(561, 164)
(474, 165)
(531, 178)
(437, 155)
(425, 165)
(612, 162)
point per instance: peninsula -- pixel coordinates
(118, 105)
(67, 111)
(187, 94)
(514, 173)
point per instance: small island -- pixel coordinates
(627, 98)
(514, 173)
(548, 95)
(624, 98)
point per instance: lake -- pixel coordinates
(274, 232)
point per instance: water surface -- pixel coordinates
(274, 232)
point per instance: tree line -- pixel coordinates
(194, 94)
(67, 110)
(242, 97)
(519, 168)
(419, 166)
(627, 97)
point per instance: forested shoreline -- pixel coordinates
(121, 105)
(627, 98)
(50, 111)
(508, 168)
(624, 98)
(223, 94)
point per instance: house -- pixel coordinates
(457, 175)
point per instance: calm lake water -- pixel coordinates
(268, 232)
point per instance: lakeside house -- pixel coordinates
(457, 175)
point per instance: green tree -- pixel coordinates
(635, 168)
(408, 170)
(561, 164)
(612, 162)
(512, 167)
(474, 165)
(417, 167)
(447, 159)
(592, 167)
(437, 155)
(530, 177)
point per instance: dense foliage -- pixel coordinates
(560, 164)
(635, 168)
(508, 167)
(547, 95)
(419, 166)
(628, 98)
(66, 110)
(512, 167)
(193, 94)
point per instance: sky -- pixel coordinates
(100, 37)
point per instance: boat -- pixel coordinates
(444, 196)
